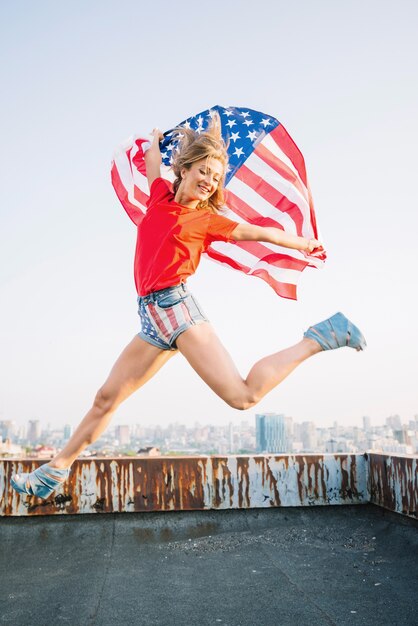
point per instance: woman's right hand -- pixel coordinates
(157, 135)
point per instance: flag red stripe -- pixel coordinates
(285, 290)
(286, 143)
(281, 168)
(140, 196)
(248, 214)
(271, 195)
(278, 259)
(222, 258)
(138, 160)
(133, 211)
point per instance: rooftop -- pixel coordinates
(319, 565)
(262, 552)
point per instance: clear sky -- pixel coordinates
(78, 78)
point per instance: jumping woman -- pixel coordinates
(179, 225)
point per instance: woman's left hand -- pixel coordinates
(313, 245)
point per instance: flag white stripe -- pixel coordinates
(243, 257)
(264, 208)
(281, 274)
(282, 185)
(125, 174)
(277, 152)
(271, 247)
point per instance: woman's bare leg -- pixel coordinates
(208, 357)
(138, 362)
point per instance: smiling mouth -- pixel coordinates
(204, 189)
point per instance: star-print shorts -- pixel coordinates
(167, 313)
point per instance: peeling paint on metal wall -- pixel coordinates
(187, 483)
(393, 483)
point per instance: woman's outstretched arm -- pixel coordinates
(152, 157)
(249, 232)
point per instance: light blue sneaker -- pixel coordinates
(41, 482)
(336, 332)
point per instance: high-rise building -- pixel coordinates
(309, 436)
(273, 433)
(231, 436)
(402, 436)
(394, 422)
(367, 424)
(68, 430)
(7, 429)
(34, 431)
(122, 435)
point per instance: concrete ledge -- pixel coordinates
(191, 483)
(140, 484)
(393, 483)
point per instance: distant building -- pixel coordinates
(7, 448)
(123, 435)
(34, 431)
(402, 436)
(6, 429)
(44, 452)
(309, 436)
(367, 423)
(149, 451)
(273, 433)
(339, 444)
(68, 431)
(394, 422)
(231, 436)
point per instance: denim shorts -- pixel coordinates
(167, 313)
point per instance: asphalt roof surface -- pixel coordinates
(258, 567)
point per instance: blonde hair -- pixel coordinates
(193, 147)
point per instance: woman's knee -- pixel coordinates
(105, 400)
(243, 401)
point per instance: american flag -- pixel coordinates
(265, 184)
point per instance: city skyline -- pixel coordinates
(270, 433)
(246, 416)
(78, 80)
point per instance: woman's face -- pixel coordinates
(201, 180)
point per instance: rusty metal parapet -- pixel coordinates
(393, 483)
(131, 484)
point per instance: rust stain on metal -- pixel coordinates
(243, 482)
(103, 485)
(271, 479)
(393, 483)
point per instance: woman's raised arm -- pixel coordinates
(249, 232)
(152, 157)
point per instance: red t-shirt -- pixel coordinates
(171, 239)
